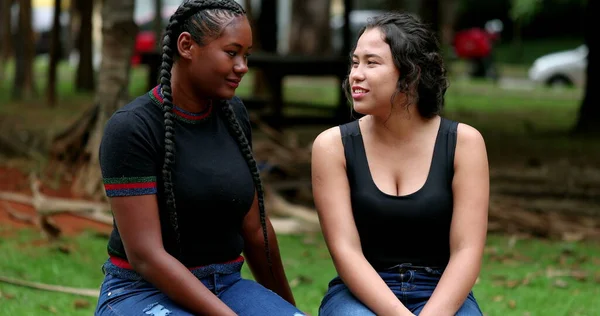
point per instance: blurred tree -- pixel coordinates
(85, 71)
(310, 27)
(24, 87)
(441, 14)
(55, 52)
(589, 113)
(264, 38)
(5, 34)
(429, 10)
(118, 38)
(448, 15)
(264, 25)
(79, 143)
(521, 13)
(158, 23)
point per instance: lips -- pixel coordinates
(233, 82)
(358, 92)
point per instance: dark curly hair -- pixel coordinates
(416, 54)
(204, 20)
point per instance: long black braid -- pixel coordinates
(236, 129)
(202, 19)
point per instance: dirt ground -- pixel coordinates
(13, 180)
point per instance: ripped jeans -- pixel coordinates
(125, 293)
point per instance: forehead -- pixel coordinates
(371, 42)
(238, 31)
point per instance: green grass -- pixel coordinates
(26, 256)
(515, 280)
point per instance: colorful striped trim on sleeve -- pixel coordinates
(129, 186)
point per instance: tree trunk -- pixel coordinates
(118, 39)
(158, 24)
(80, 142)
(85, 71)
(309, 19)
(74, 28)
(265, 37)
(55, 52)
(429, 11)
(589, 112)
(266, 32)
(24, 53)
(448, 11)
(5, 37)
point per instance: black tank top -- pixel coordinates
(412, 228)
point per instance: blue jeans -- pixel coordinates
(125, 293)
(412, 285)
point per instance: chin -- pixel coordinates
(362, 108)
(225, 94)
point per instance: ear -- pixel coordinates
(184, 45)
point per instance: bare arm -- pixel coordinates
(139, 226)
(332, 198)
(254, 249)
(469, 224)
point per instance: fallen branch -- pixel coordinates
(279, 206)
(51, 288)
(51, 205)
(287, 226)
(16, 197)
(45, 205)
(97, 217)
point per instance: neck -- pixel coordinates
(183, 92)
(402, 125)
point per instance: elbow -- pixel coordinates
(142, 261)
(344, 254)
(471, 257)
(255, 242)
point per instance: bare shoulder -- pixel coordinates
(328, 143)
(468, 136)
(470, 145)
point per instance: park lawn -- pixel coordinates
(518, 125)
(519, 276)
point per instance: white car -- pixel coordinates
(565, 68)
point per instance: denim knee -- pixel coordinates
(469, 307)
(339, 301)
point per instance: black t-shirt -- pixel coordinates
(212, 182)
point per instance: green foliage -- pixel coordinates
(524, 10)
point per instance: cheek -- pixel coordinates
(388, 86)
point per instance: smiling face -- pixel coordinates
(217, 67)
(373, 77)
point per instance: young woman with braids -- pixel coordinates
(183, 185)
(402, 193)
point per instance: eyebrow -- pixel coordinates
(238, 45)
(367, 55)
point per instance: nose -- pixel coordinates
(241, 66)
(356, 74)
